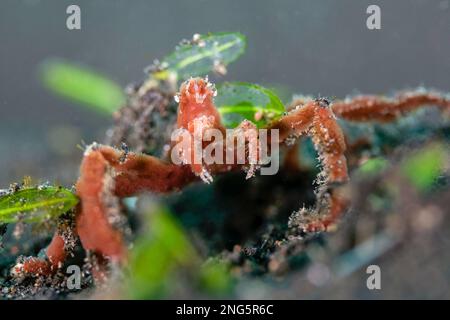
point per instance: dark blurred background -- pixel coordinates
(311, 47)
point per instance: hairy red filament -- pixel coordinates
(317, 120)
(56, 254)
(365, 108)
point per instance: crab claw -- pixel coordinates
(197, 114)
(196, 100)
(197, 90)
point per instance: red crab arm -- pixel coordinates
(105, 172)
(56, 254)
(295, 123)
(139, 172)
(363, 108)
(317, 120)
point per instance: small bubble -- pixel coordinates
(219, 67)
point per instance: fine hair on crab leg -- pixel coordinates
(316, 119)
(242, 147)
(379, 108)
(328, 210)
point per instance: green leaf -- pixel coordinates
(237, 101)
(82, 85)
(36, 204)
(373, 166)
(157, 254)
(150, 270)
(201, 57)
(166, 229)
(215, 277)
(424, 167)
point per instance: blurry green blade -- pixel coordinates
(215, 277)
(424, 167)
(373, 166)
(201, 57)
(165, 228)
(237, 101)
(36, 204)
(83, 85)
(163, 248)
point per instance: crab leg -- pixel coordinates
(317, 120)
(365, 108)
(105, 176)
(56, 254)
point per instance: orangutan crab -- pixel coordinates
(108, 174)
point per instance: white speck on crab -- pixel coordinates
(17, 270)
(92, 147)
(199, 98)
(186, 89)
(177, 98)
(195, 86)
(206, 176)
(211, 86)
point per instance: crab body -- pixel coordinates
(107, 174)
